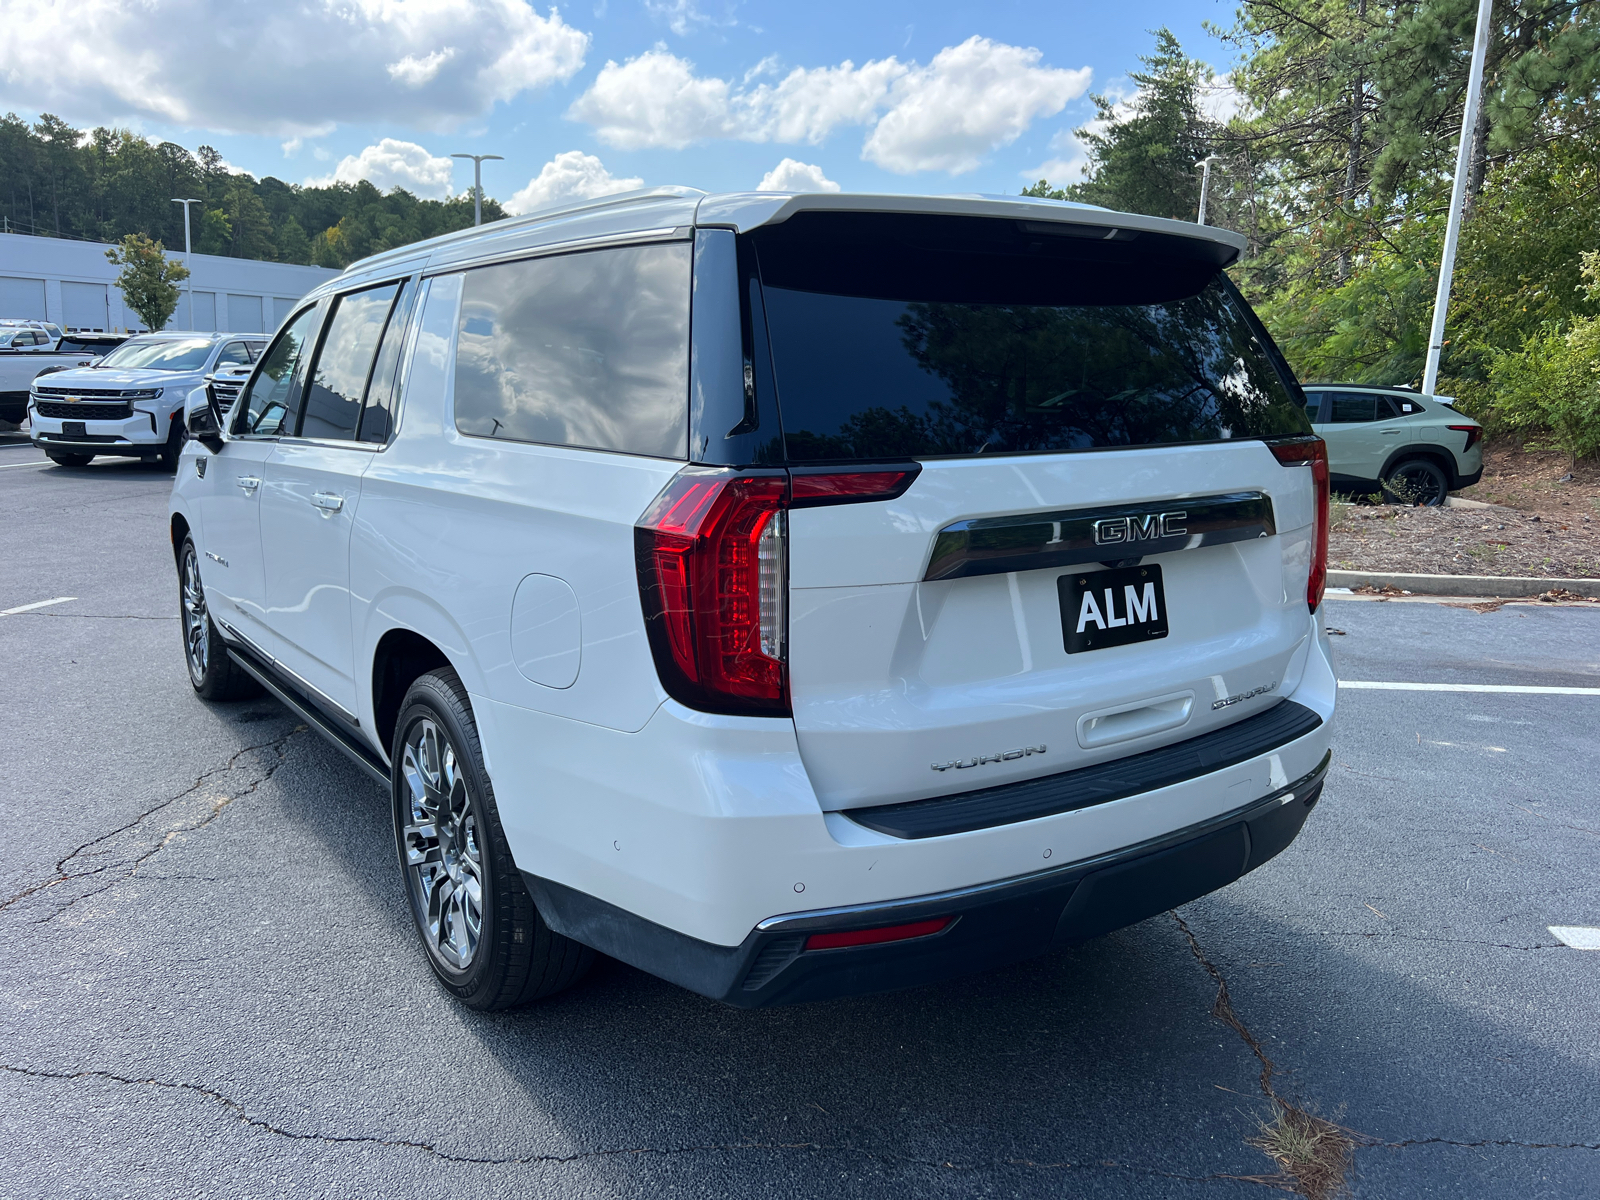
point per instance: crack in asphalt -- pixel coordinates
(65, 871)
(238, 1111)
(1509, 1142)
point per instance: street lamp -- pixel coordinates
(1205, 183)
(477, 182)
(186, 256)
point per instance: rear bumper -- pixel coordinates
(990, 925)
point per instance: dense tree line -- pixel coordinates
(107, 183)
(1337, 168)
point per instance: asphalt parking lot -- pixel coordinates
(209, 986)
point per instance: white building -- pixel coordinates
(74, 284)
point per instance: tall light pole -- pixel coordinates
(1458, 194)
(477, 182)
(1205, 183)
(186, 257)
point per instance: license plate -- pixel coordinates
(73, 427)
(1112, 608)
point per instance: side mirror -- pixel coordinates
(204, 421)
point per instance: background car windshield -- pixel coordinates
(161, 354)
(918, 343)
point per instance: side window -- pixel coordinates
(1313, 406)
(1404, 407)
(1350, 408)
(339, 380)
(588, 349)
(233, 352)
(269, 407)
(377, 416)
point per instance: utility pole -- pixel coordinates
(189, 283)
(477, 182)
(1205, 183)
(1447, 262)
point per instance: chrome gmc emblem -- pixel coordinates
(1146, 528)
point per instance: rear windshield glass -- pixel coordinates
(903, 340)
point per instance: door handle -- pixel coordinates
(249, 483)
(1390, 432)
(327, 501)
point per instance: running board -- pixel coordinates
(308, 713)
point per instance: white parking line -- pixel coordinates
(1513, 688)
(22, 608)
(1579, 937)
(12, 466)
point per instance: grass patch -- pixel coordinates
(1316, 1154)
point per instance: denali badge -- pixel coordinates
(1253, 692)
(1144, 528)
(961, 764)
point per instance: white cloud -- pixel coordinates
(654, 100)
(1221, 101)
(944, 116)
(572, 175)
(292, 147)
(681, 15)
(793, 176)
(969, 100)
(414, 72)
(392, 163)
(284, 69)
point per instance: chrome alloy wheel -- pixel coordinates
(196, 625)
(443, 854)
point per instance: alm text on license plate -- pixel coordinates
(1112, 608)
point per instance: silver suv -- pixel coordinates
(1413, 449)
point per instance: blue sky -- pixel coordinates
(886, 96)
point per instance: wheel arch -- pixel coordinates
(1438, 455)
(180, 529)
(400, 658)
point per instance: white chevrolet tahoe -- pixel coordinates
(790, 595)
(130, 403)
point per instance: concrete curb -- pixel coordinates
(1496, 586)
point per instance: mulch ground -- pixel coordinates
(1544, 520)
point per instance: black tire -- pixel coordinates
(449, 838)
(71, 460)
(173, 449)
(1417, 481)
(212, 673)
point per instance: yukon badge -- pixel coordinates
(961, 764)
(1144, 528)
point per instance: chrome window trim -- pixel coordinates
(678, 233)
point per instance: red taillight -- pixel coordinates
(1312, 450)
(873, 937)
(712, 576)
(1473, 432)
(813, 486)
(712, 553)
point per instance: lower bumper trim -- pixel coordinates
(994, 924)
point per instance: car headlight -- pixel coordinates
(144, 394)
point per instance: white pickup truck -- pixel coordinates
(29, 348)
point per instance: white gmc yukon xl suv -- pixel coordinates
(790, 595)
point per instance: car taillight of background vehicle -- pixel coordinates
(1473, 432)
(712, 554)
(1313, 451)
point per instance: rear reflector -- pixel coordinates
(873, 937)
(1291, 452)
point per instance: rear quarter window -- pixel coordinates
(587, 350)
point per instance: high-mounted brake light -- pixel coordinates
(874, 937)
(1473, 432)
(1313, 451)
(712, 554)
